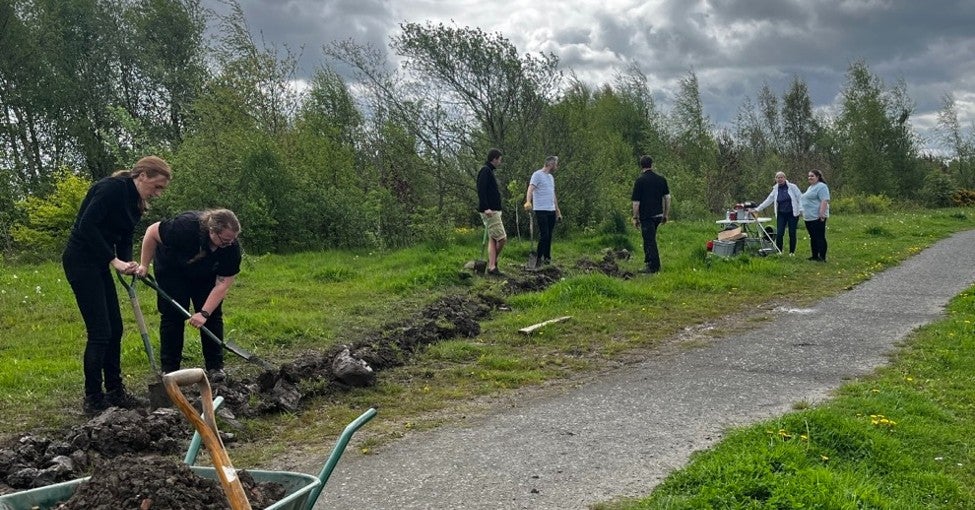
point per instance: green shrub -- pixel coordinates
(963, 198)
(860, 204)
(938, 189)
(48, 219)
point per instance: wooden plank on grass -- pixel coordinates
(530, 329)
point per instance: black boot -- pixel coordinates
(121, 398)
(95, 404)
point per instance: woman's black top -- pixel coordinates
(185, 248)
(105, 223)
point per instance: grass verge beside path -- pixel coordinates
(899, 439)
(285, 305)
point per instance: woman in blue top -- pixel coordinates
(785, 196)
(815, 212)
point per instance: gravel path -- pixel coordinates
(623, 432)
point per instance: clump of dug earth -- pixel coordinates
(159, 483)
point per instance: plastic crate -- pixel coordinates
(726, 248)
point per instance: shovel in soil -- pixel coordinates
(230, 346)
(207, 427)
(480, 265)
(157, 392)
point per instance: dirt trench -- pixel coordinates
(35, 461)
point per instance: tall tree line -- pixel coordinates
(387, 156)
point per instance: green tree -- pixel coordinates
(699, 178)
(960, 146)
(878, 148)
(799, 128)
(503, 92)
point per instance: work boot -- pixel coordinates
(95, 404)
(216, 375)
(121, 398)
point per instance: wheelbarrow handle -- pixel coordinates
(197, 440)
(337, 450)
(207, 427)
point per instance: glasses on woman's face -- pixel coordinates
(224, 239)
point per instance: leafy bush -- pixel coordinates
(938, 189)
(963, 198)
(430, 226)
(48, 219)
(860, 204)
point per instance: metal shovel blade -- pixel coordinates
(240, 351)
(532, 261)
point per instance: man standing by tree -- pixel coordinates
(489, 205)
(541, 198)
(651, 208)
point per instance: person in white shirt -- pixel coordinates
(541, 199)
(785, 197)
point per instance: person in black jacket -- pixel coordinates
(651, 208)
(489, 206)
(101, 240)
(197, 257)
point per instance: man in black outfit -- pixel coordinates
(651, 208)
(489, 206)
(197, 258)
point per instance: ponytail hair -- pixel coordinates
(151, 166)
(215, 221)
(218, 220)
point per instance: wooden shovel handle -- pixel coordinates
(207, 427)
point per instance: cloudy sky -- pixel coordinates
(734, 46)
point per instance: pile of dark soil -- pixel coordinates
(36, 461)
(158, 483)
(608, 265)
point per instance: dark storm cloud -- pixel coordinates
(307, 25)
(733, 46)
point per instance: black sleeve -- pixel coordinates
(106, 198)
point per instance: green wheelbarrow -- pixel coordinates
(301, 490)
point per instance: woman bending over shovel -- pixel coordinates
(197, 257)
(101, 241)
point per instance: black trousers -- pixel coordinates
(97, 298)
(172, 322)
(784, 221)
(651, 255)
(817, 238)
(546, 226)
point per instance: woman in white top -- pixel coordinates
(785, 197)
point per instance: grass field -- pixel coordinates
(284, 306)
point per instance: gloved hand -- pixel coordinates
(528, 206)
